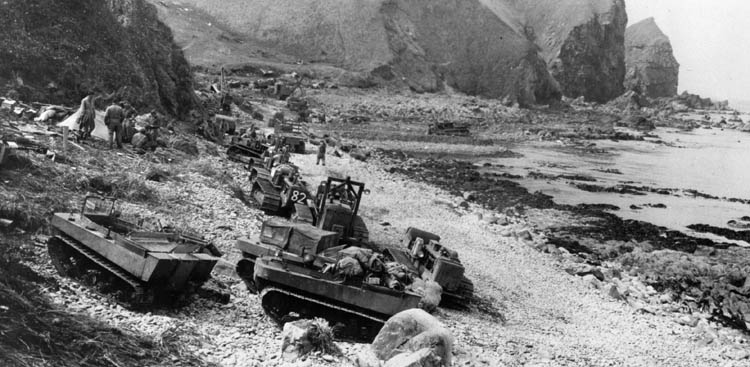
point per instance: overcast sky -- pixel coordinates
(711, 41)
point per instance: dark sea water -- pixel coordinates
(710, 161)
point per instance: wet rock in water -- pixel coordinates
(413, 336)
(303, 337)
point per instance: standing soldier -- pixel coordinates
(321, 152)
(284, 156)
(113, 118)
(86, 119)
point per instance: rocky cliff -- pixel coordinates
(529, 50)
(582, 42)
(427, 45)
(651, 67)
(55, 51)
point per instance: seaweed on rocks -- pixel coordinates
(458, 177)
(724, 232)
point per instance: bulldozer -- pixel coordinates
(336, 209)
(286, 86)
(279, 190)
(448, 128)
(140, 267)
(293, 268)
(292, 134)
(247, 151)
(423, 254)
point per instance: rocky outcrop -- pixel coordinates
(697, 102)
(652, 69)
(427, 45)
(582, 43)
(54, 51)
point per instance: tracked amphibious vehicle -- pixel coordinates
(140, 267)
(293, 267)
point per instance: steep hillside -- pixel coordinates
(423, 44)
(651, 66)
(55, 51)
(582, 42)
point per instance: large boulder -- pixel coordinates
(54, 51)
(413, 336)
(430, 291)
(652, 69)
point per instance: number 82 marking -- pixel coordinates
(298, 197)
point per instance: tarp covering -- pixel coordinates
(100, 131)
(297, 237)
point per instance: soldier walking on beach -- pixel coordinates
(321, 153)
(113, 118)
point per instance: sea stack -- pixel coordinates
(652, 68)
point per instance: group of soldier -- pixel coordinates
(116, 118)
(117, 114)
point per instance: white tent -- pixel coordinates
(100, 131)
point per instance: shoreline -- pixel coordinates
(643, 249)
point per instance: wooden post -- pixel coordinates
(65, 139)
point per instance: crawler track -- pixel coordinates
(285, 305)
(462, 298)
(266, 196)
(76, 261)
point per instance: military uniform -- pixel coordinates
(321, 153)
(86, 119)
(113, 118)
